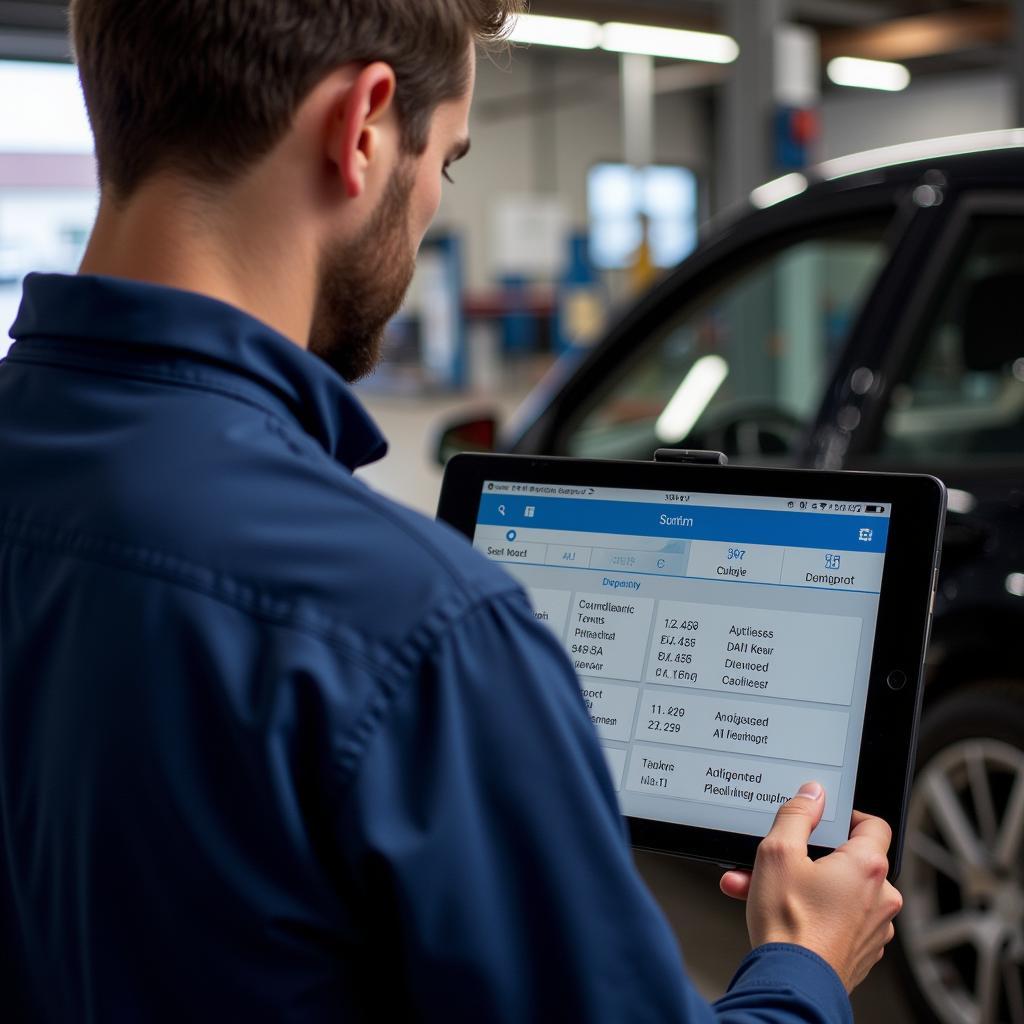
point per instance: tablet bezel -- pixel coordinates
(910, 573)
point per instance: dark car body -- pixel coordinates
(920, 368)
(976, 615)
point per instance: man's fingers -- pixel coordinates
(875, 830)
(796, 819)
(736, 884)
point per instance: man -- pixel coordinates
(273, 748)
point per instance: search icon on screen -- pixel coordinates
(501, 510)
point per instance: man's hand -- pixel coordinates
(840, 907)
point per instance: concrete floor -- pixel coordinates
(710, 927)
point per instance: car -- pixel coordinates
(866, 314)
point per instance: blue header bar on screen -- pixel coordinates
(688, 522)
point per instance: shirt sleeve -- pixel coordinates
(497, 875)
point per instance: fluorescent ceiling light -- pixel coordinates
(868, 74)
(544, 31)
(692, 397)
(679, 44)
(777, 191)
(620, 37)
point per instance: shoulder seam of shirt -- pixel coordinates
(245, 597)
(383, 700)
(385, 507)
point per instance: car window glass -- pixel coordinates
(962, 397)
(741, 367)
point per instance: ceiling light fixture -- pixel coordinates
(868, 74)
(679, 44)
(621, 37)
(545, 31)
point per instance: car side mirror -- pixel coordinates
(476, 435)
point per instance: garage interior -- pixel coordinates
(532, 260)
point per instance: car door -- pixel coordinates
(736, 354)
(950, 401)
(948, 393)
(950, 388)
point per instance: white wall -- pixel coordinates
(857, 119)
(551, 147)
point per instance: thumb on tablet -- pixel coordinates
(797, 818)
(735, 884)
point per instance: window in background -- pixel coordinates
(619, 196)
(48, 191)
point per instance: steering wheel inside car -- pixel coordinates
(748, 430)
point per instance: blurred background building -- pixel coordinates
(602, 143)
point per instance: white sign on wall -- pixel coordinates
(529, 236)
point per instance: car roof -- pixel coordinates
(983, 159)
(981, 155)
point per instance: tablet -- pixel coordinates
(736, 632)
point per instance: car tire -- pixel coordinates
(960, 938)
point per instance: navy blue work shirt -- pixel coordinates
(272, 747)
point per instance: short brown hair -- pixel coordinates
(207, 87)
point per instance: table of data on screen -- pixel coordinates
(701, 687)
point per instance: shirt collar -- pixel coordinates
(58, 307)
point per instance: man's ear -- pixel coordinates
(354, 137)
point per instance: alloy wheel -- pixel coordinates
(962, 928)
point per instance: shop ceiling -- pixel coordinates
(934, 35)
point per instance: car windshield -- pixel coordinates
(741, 366)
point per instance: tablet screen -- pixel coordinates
(723, 642)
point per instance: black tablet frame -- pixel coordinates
(889, 744)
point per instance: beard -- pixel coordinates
(362, 283)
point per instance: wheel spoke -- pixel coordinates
(988, 982)
(935, 854)
(945, 933)
(1008, 848)
(966, 826)
(981, 791)
(1014, 990)
(952, 821)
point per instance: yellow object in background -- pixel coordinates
(585, 315)
(642, 271)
